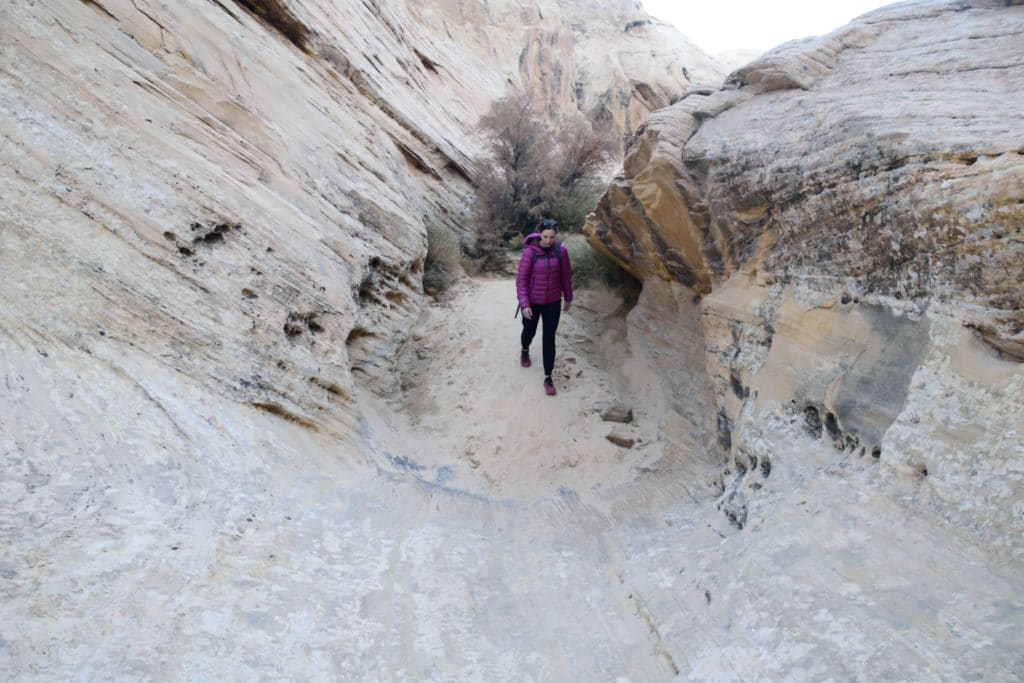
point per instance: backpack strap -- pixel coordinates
(558, 253)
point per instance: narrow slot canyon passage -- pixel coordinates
(466, 407)
(238, 440)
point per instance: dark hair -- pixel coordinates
(549, 224)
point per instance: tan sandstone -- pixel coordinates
(212, 234)
(840, 227)
(213, 230)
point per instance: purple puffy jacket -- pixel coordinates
(546, 278)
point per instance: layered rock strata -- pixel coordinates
(212, 237)
(845, 215)
(837, 232)
(254, 179)
(610, 61)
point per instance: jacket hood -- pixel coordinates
(532, 238)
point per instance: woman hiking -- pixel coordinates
(544, 278)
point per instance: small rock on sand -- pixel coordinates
(617, 413)
(620, 438)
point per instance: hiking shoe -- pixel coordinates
(549, 387)
(524, 359)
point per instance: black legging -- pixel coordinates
(549, 313)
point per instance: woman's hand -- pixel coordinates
(565, 308)
(528, 313)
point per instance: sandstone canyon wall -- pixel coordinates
(256, 177)
(212, 237)
(832, 254)
(839, 228)
(609, 61)
(211, 247)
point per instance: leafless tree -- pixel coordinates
(584, 149)
(537, 168)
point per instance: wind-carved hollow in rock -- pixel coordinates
(812, 421)
(415, 160)
(735, 510)
(428, 63)
(386, 284)
(741, 466)
(740, 483)
(301, 323)
(200, 235)
(282, 412)
(358, 333)
(360, 343)
(332, 388)
(733, 502)
(211, 234)
(833, 430)
(738, 389)
(388, 291)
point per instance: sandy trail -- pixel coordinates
(468, 410)
(601, 544)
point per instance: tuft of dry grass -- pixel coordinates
(588, 264)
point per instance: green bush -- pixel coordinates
(443, 264)
(572, 206)
(588, 264)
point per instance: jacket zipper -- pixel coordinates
(547, 277)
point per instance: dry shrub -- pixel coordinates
(536, 169)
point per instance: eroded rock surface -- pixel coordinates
(253, 179)
(212, 236)
(608, 60)
(844, 216)
(878, 155)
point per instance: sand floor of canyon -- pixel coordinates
(827, 534)
(466, 403)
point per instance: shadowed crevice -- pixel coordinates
(277, 14)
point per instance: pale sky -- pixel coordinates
(717, 25)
